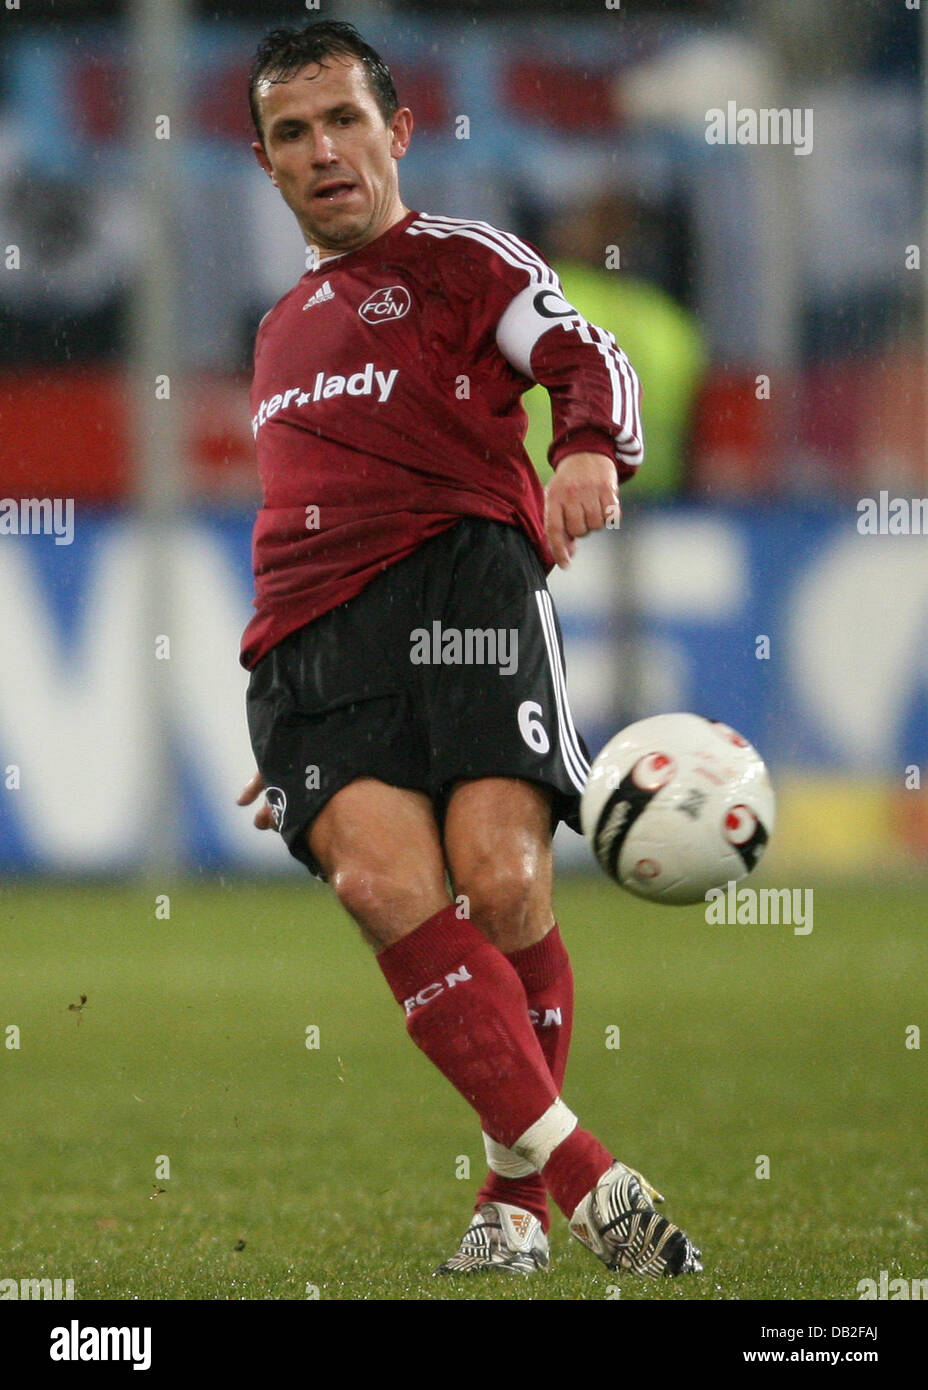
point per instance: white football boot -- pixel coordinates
(500, 1237)
(618, 1223)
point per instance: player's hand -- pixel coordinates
(263, 817)
(582, 496)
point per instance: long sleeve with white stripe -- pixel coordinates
(595, 393)
(506, 289)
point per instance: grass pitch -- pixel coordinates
(336, 1168)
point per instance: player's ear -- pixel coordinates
(401, 129)
(261, 157)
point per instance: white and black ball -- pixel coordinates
(677, 804)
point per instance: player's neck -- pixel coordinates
(327, 253)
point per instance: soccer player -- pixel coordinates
(407, 702)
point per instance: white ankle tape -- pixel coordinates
(504, 1162)
(540, 1140)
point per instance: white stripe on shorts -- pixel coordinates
(577, 766)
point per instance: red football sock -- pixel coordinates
(466, 1009)
(547, 979)
(575, 1166)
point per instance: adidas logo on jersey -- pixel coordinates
(324, 292)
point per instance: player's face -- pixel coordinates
(329, 151)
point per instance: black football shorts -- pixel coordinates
(448, 665)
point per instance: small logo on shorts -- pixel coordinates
(277, 801)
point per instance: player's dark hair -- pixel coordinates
(283, 52)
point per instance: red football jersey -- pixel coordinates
(386, 406)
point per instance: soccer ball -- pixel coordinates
(676, 805)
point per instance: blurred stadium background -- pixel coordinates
(775, 309)
(771, 301)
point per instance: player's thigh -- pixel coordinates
(497, 839)
(379, 847)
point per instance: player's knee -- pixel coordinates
(501, 892)
(364, 892)
(385, 903)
